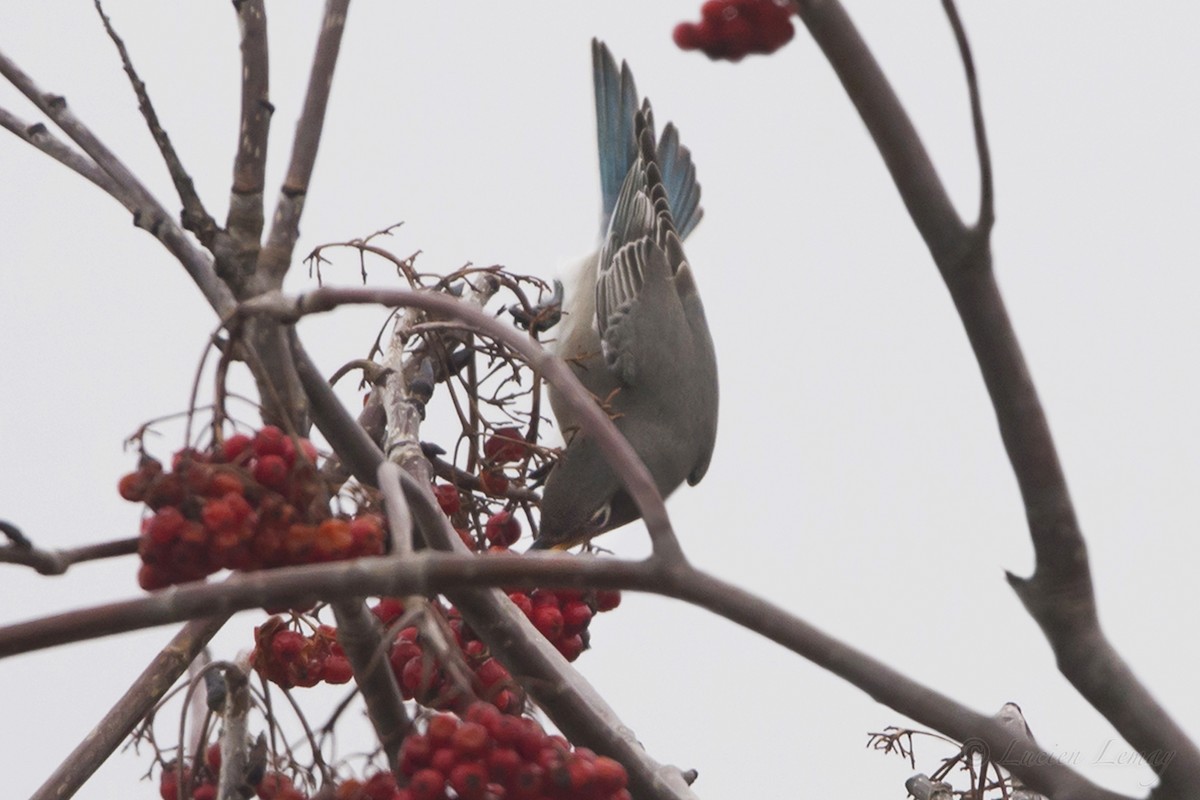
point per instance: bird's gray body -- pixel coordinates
(634, 330)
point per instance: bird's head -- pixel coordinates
(583, 498)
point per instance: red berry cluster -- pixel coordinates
(563, 615)
(380, 786)
(289, 658)
(249, 503)
(276, 786)
(731, 29)
(492, 755)
(421, 677)
(201, 786)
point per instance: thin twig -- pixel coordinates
(195, 218)
(987, 202)
(148, 213)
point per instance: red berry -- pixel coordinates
(336, 669)
(217, 516)
(505, 445)
(484, 714)
(212, 756)
(418, 677)
(491, 672)
(132, 487)
(469, 781)
(527, 783)
(507, 731)
(502, 764)
(470, 741)
(380, 786)
(236, 448)
(205, 791)
(151, 578)
(610, 775)
(427, 784)
(388, 609)
(224, 483)
(273, 786)
(607, 599)
(415, 753)
(306, 447)
(272, 471)
(522, 601)
(503, 529)
(549, 621)
(686, 36)
(571, 647)
(269, 442)
(366, 531)
(441, 729)
(443, 760)
(448, 498)
(287, 645)
(582, 775)
(576, 616)
(168, 785)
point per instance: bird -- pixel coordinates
(634, 330)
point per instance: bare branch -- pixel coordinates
(154, 682)
(235, 738)
(40, 137)
(399, 518)
(285, 225)
(245, 220)
(429, 572)
(56, 562)
(359, 634)
(195, 218)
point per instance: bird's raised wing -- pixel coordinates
(639, 262)
(616, 135)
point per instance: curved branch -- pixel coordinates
(461, 575)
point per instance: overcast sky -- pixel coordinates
(858, 479)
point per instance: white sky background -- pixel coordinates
(858, 480)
